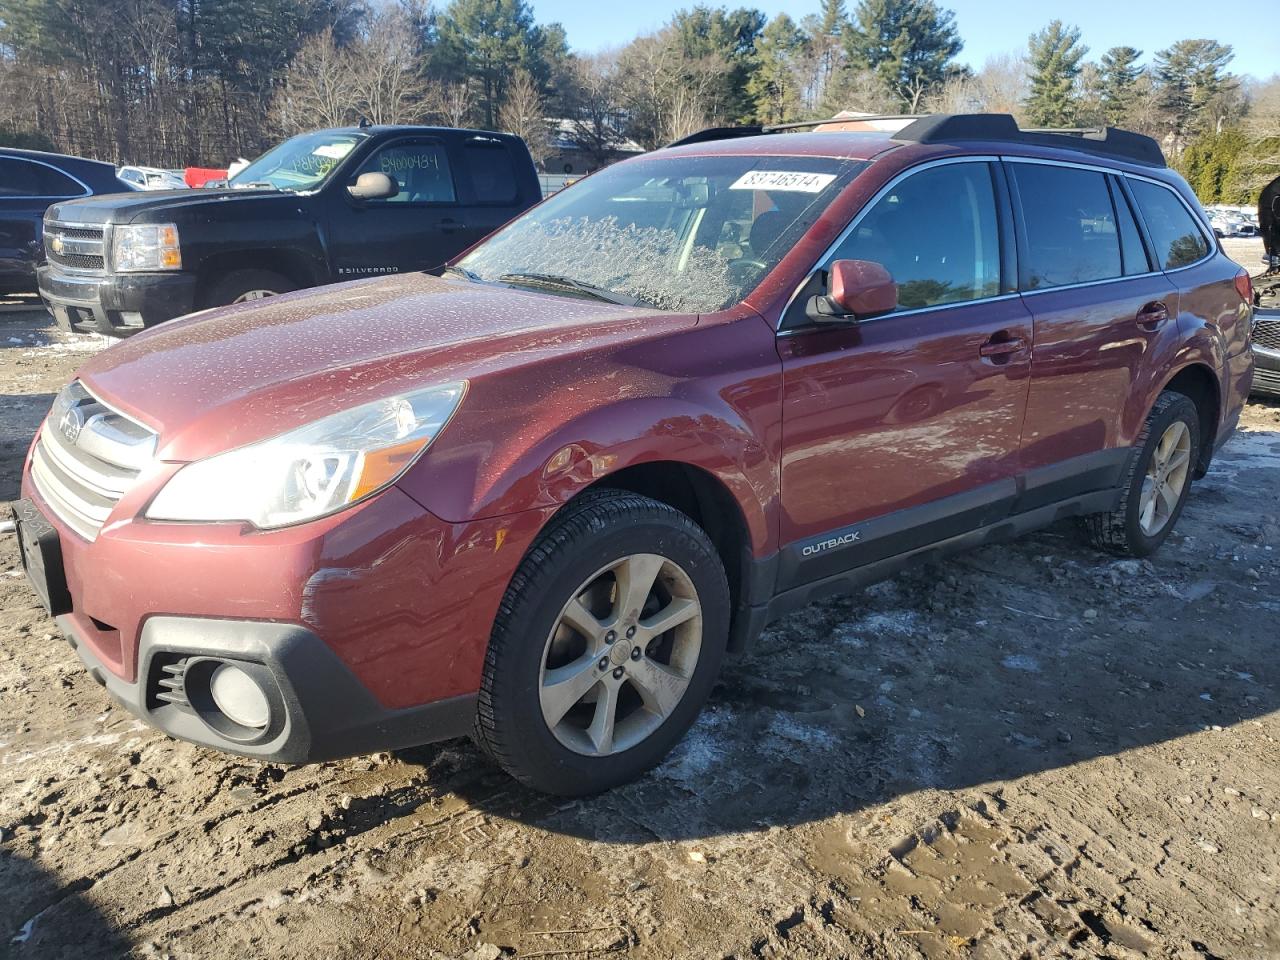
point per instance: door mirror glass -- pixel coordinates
(373, 186)
(856, 290)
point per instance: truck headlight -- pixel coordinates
(313, 471)
(146, 247)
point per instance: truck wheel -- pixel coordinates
(605, 646)
(1157, 481)
(241, 286)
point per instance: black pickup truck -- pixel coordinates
(321, 207)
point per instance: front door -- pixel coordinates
(417, 229)
(903, 430)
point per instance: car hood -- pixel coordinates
(229, 376)
(158, 205)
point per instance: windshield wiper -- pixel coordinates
(464, 272)
(569, 284)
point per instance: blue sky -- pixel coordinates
(987, 27)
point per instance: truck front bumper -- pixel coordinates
(115, 304)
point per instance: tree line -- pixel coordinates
(176, 82)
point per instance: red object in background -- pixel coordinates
(197, 177)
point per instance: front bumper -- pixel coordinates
(319, 710)
(1266, 353)
(115, 304)
(1266, 372)
(370, 626)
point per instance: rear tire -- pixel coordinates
(240, 286)
(606, 645)
(1156, 483)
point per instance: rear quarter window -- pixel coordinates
(1179, 241)
(493, 173)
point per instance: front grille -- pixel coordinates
(1266, 334)
(87, 457)
(1266, 381)
(75, 246)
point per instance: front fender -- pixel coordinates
(531, 439)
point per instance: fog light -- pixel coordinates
(238, 695)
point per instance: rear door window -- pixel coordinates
(1132, 250)
(493, 173)
(21, 178)
(419, 168)
(936, 233)
(1069, 224)
(1177, 237)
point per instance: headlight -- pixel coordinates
(313, 471)
(146, 246)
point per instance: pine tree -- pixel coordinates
(1120, 73)
(1197, 92)
(1054, 56)
(774, 86)
(908, 44)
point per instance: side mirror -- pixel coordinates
(373, 186)
(856, 290)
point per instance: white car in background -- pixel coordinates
(152, 178)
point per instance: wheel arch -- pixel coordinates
(292, 265)
(1197, 382)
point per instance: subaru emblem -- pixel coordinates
(71, 423)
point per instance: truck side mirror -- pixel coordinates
(856, 290)
(373, 186)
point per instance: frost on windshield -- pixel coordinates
(650, 264)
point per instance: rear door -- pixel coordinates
(1101, 311)
(903, 430)
(417, 229)
(27, 188)
(492, 191)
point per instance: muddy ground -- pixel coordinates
(1029, 751)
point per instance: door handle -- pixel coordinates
(1151, 316)
(1001, 350)
(449, 225)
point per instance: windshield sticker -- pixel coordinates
(334, 151)
(783, 180)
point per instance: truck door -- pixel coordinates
(491, 191)
(417, 229)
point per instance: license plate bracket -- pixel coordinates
(41, 551)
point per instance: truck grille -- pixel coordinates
(1266, 334)
(75, 246)
(87, 457)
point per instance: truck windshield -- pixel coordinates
(300, 163)
(694, 234)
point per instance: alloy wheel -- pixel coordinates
(620, 655)
(1166, 478)
(254, 295)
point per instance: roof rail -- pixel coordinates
(1104, 141)
(717, 133)
(857, 118)
(989, 127)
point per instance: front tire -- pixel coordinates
(243, 286)
(1157, 481)
(605, 647)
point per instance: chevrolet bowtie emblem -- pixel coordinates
(56, 243)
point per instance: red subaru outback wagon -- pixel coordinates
(536, 500)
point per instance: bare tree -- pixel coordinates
(1262, 130)
(592, 99)
(384, 70)
(451, 103)
(317, 90)
(523, 113)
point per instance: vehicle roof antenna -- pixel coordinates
(364, 123)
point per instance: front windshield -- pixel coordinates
(694, 234)
(300, 163)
